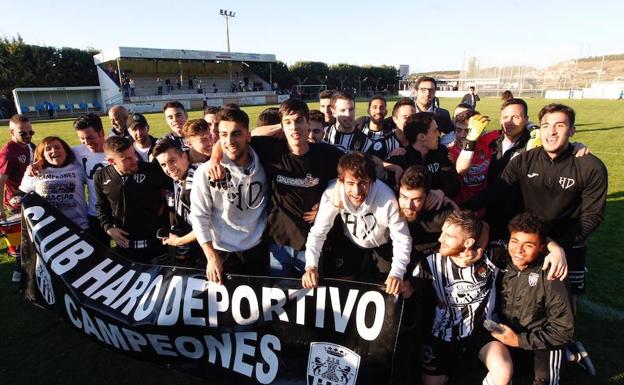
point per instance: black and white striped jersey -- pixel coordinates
(182, 195)
(465, 295)
(347, 142)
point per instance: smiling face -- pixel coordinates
(234, 139)
(317, 131)
(296, 129)
(54, 153)
(92, 139)
(401, 115)
(174, 163)
(524, 248)
(377, 111)
(139, 133)
(356, 189)
(344, 112)
(201, 143)
(118, 118)
(21, 132)
(125, 162)
(175, 118)
(325, 107)
(213, 126)
(555, 132)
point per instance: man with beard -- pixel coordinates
(142, 141)
(342, 133)
(129, 200)
(425, 89)
(394, 142)
(175, 116)
(373, 124)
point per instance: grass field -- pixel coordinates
(37, 348)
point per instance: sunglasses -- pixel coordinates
(24, 134)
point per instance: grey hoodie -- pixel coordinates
(230, 213)
(369, 226)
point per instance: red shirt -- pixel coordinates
(475, 179)
(14, 158)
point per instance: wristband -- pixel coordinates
(470, 145)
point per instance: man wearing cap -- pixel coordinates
(142, 141)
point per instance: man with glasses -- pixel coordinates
(425, 94)
(15, 156)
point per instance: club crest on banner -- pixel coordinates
(44, 281)
(331, 364)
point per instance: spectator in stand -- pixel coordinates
(49, 108)
(131, 84)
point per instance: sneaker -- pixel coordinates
(17, 276)
(577, 353)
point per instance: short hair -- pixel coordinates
(517, 101)
(400, 103)
(472, 88)
(506, 95)
(376, 97)
(316, 116)
(234, 115)
(294, 106)
(117, 144)
(416, 178)
(194, 127)
(89, 120)
(268, 116)
(165, 144)
(40, 149)
(212, 110)
(468, 221)
(556, 107)
(341, 95)
(425, 79)
(326, 94)
(19, 118)
(528, 223)
(174, 104)
(464, 116)
(359, 164)
(464, 105)
(417, 123)
(231, 106)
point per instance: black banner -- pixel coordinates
(249, 330)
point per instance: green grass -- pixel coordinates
(36, 347)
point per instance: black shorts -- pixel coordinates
(441, 357)
(546, 363)
(577, 269)
(254, 261)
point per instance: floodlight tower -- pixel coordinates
(227, 14)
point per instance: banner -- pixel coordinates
(249, 330)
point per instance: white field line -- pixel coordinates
(602, 311)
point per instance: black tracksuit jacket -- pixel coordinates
(568, 192)
(131, 202)
(536, 309)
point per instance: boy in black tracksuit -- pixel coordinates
(535, 312)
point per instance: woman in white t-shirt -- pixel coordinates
(60, 181)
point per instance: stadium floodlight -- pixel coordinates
(227, 14)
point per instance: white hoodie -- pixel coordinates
(369, 226)
(231, 214)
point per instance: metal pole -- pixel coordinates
(227, 31)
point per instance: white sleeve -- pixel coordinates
(401, 240)
(201, 206)
(322, 224)
(28, 183)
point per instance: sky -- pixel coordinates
(428, 36)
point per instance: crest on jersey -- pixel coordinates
(533, 277)
(566, 183)
(433, 167)
(22, 159)
(331, 364)
(139, 178)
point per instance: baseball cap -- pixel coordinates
(137, 119)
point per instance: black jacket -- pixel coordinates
(537, 309)
(133, 202)
(568, 192)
